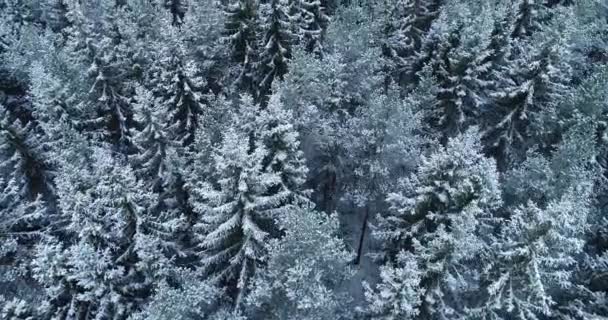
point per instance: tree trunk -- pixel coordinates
(362, 236)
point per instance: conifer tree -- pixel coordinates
(156, 150)
(385, 146)
(456, 56)
(189, 300)
(277, 134)
(528, 92)
(325, 93)
(536, 254)
(314, 21)
(305, 271)
(405, 28)
(116, 250)
(528, 17)
(241, 34)
(113, 113)
(25, 184)
(202, 33)
(159, 165)
(276, 27)
(232, 238)
(104, 42)
(254, 184)
(439, 219)
(178, 9)
(54, 14)
(26, 193)
(532, 264)
(177, 82)
(398, 295)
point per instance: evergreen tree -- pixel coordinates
(528, 17)
(305, 271)
(25, 184)
(156, 156)
(178, 9)
(456, 56)
(536, 254)
(104, 42)
(112, 108)
(241, 34)
(232, 240)
(314, 21)
(440, 216)
(276, 133)
(257, 179)
(530, 270)
(276, 43)
(202, 33)
(191, 299)
(115, 253)
(325, 93)
(526, 96)
(385, 146)
(159, 165)
(23, 159)
(405, 27)
(177, 82)
(398, 295)
(54, 14)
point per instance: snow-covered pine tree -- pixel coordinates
(276, 134)
(190, 299)
(440, 216)
(258, 176)
(456, 54)
(276, 42)
(25, 184)
(588, 299)
(325, 93)
(178, 9)
(313, 24)
(106, 43)
(536, 252)
(176, 81)
(589, 40)
(233, 230)
(202, 32)
(16, 309)
(106, 113)
(54, 104)
(114, 115)
(305, 271)
(542, 179)
(113, 252)
(23, 155)
(159, 165)
(25, 177)
(385, 145)
(398, 295)
(241, 36)
(155, 148)
(528, 91)
(529, 16)
(405, 26)
(538, 249)
(23, 12)
(54, 14)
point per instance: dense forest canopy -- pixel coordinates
(303, 159)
